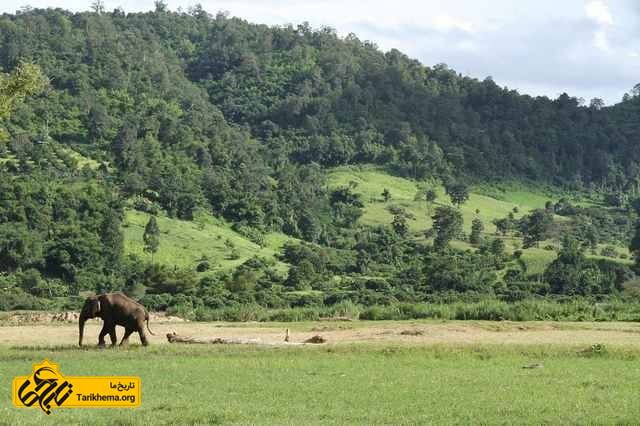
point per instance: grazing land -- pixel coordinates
(186, 243)
(367, 373)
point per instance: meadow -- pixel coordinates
(505, 379)
(186, 243)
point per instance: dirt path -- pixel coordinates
(627, 334)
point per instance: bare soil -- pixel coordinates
(408, 332)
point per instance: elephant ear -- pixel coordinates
(95, 307)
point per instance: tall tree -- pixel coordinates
(447, 223)
(458, 192)
(535, 227)
(634, 245)
(26, 80)
(151, 237)
(476, 230)
(399, 224)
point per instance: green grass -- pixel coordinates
(534, 195)
(184, 243)
(350, 384)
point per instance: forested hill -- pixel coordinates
(259, 160)
(215, 91)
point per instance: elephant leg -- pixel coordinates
(102, 335)
(112, 334)
(125, 338)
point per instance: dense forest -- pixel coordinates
(184, 113)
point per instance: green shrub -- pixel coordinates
(203, 266)
(17, 299)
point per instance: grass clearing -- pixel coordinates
(379, 383)
(185, 243)
(371, 181)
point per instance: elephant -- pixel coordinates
(115, 309)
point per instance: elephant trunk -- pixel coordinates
(81, 324)
(84, 316)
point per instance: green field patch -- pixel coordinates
(187, 243)
(372, 180)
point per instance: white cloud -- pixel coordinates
(598, 11)
(600, 40)
(446, 23)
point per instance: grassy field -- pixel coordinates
(371, 181)
(183, 243)
(186, 243)
(391, 382)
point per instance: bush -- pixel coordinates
(234, 254)
(145, 205)
(203, 266)
(302, 299)
(609, 251)
(183, 310)
(157, 302)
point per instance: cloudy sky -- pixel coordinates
(587, 48)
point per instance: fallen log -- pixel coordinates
(335, 319)
(175, 338)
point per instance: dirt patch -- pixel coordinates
(64, 333)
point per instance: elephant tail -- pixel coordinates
(147, 319)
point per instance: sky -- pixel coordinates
(586, 48)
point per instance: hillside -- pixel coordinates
(262, 155)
